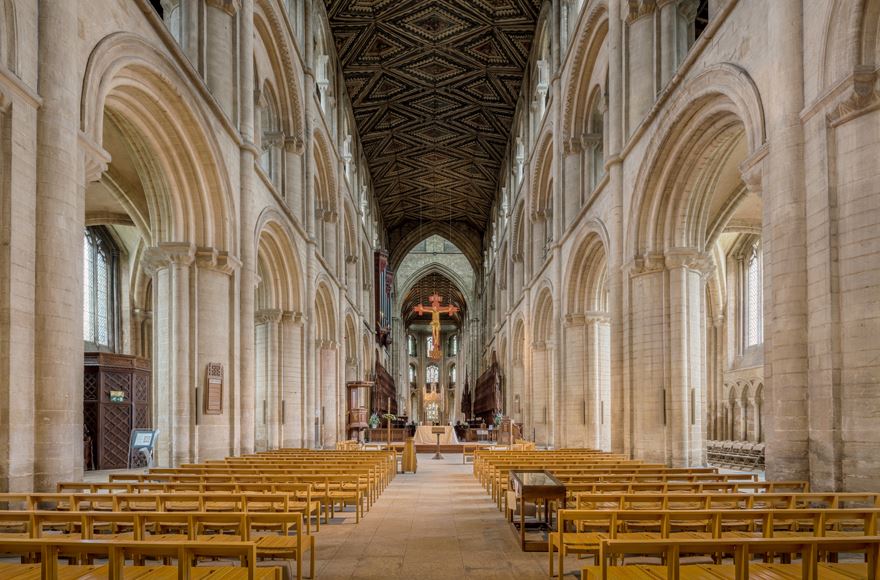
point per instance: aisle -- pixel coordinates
(437, 524)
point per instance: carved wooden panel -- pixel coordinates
(109, 423)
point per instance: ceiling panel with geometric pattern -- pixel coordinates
(434, 85)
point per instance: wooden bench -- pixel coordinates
(811, 551)
(186, 553)
(582, 531)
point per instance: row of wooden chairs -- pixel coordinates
(275, 535)
(582, 531)
(811, 551)
(125, 559)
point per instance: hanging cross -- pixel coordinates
(435, 310)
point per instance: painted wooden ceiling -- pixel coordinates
(434, 85)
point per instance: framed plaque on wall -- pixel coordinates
(214, 389)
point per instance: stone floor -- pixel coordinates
(435, 524)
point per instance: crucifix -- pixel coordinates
(435, 310)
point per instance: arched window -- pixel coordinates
(595, 140)
(270, 135)
(453, 375)
(99, 280)
(432, 374)
(429, 344)
(411, 345)
(412, 374)
(453, 345)
(753, 297)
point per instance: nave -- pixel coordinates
(435, 524)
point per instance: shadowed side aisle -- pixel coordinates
(436, 524)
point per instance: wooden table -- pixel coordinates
(534, 485)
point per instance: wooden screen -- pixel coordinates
(487, 393)
(109, 378)
(383, 391)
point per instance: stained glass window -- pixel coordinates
(98, 281)
(432, 374)
(430, 344)
(410, 345)
(754, 315)
(453, 374)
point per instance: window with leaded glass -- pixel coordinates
(753, 322)
(99, 279)
(432, 374)
(429, 344)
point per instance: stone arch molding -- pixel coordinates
(723, 89)
(270, 25)
(126, 72)
(275, 239)
(851, 39)
(591, 239)
(437, 268)
(590, 38)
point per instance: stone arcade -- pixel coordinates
(660, 217)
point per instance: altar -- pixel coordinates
(424, 436)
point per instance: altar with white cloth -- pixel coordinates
(424, 436)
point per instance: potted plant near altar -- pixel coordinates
(498, 418)
(374, 421)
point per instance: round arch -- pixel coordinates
(148, 97)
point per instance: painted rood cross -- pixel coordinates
(435, 310)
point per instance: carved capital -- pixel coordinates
(212, 259)
(294, 317)
(94, 158)
(690, 259)
(751, 171)
(574, 320)
(167, 254)
(267, 316)
(230, 7)
(637, 9)
(862, 95)
(647, 264)
(572, 146)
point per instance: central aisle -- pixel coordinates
(436, 524)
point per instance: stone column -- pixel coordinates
(247, 281)
(57, 293)
(574, 393)
(641, 74)
(274, 373)
(645, 397)
(784, 240)
(668, 47)
(169, 265)
(220, 47)
(614, 188)
(292, 394)
(327, 408)
(686, 357)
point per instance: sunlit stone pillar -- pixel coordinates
(57, 293)
(170, 264)
(292, 392)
